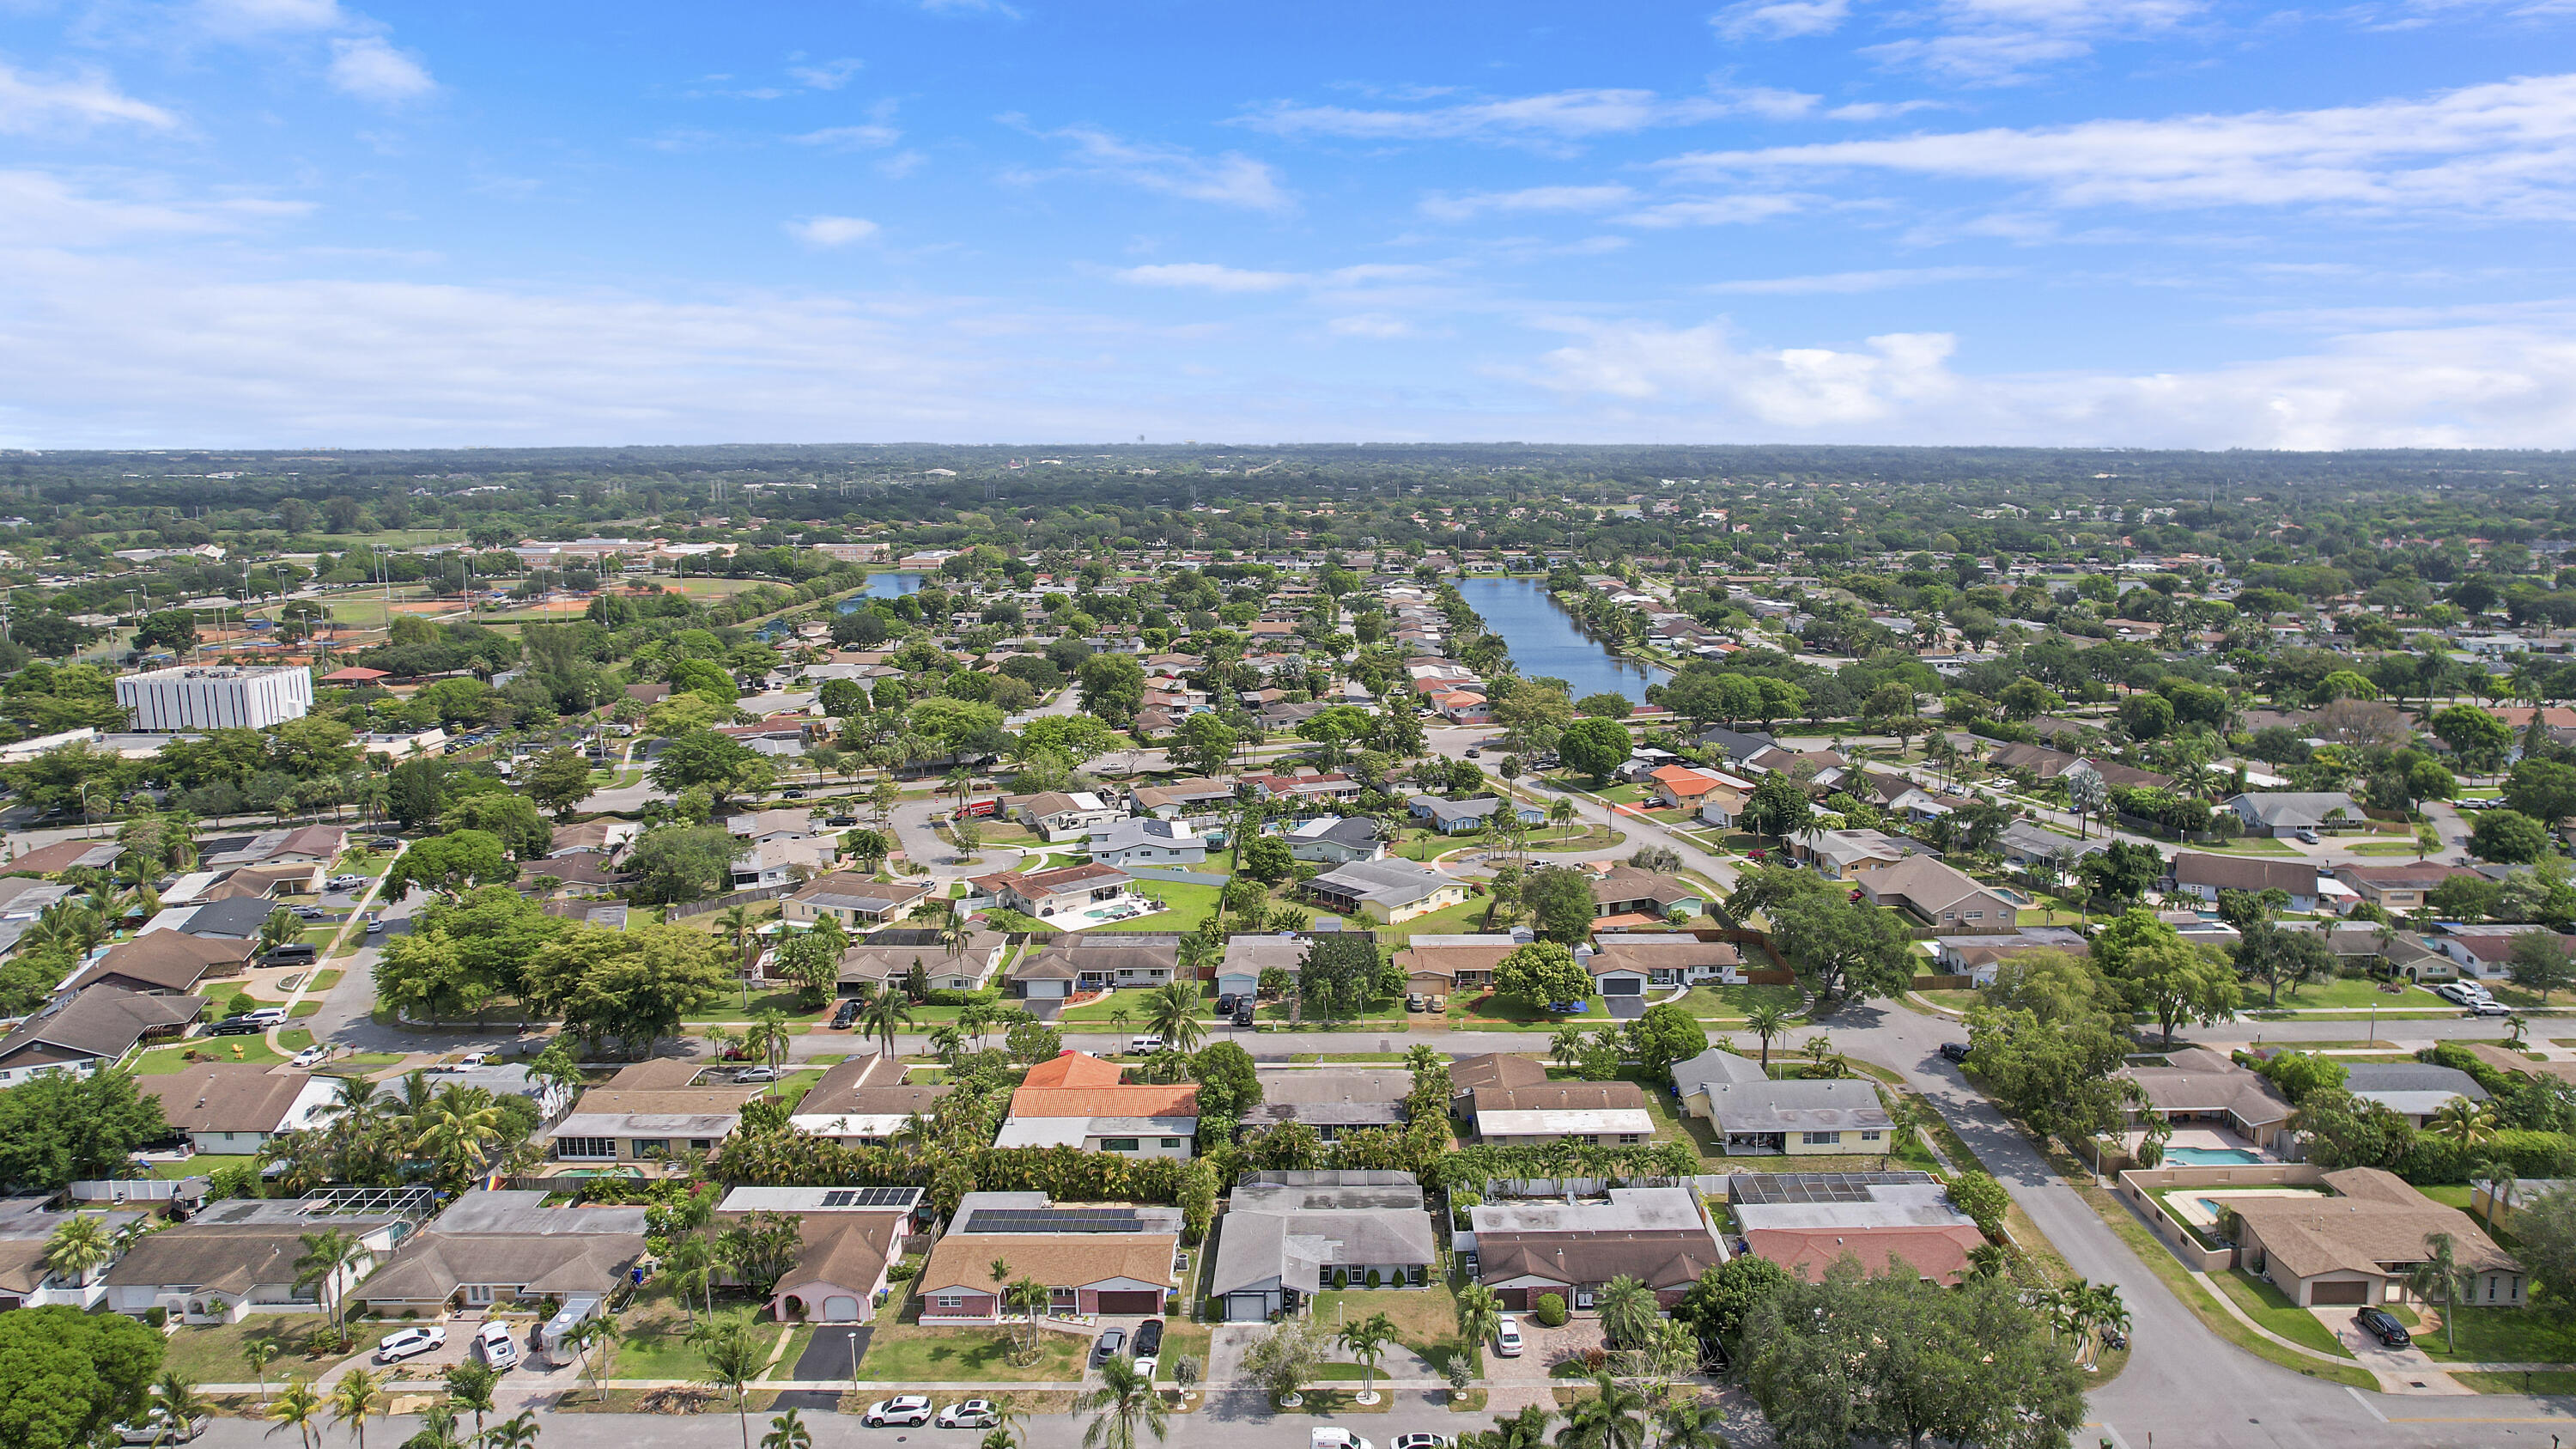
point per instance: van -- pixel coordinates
(493, 1344)
(294, 954)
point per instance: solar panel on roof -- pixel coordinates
(1054, 1220)
(841, 1197)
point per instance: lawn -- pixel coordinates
(204, 1164)
(1426, 1318)
(2500, 1335)
(1584, 837)
(652, 1335)
(1965, 998)
(1426, 847)
(162, 1061)
(2250, 845)
(1734, 1001)
(1185, 904)
(2404, 848)
(909, 1353)
(213, 1354)
(2272, 1308)
(1464, 919)
(2350, 992)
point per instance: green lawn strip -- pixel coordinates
(653, 1339)
(2272, 1308)
(2542, 1381)
(204, 1164)
(2386, 847)
(295, 1039)
(2356, 992)
(910, 1353)
(1185, 904)
(1735, 1001)
(306, 1007)
(2249, 845)
(2500, 1335)
(1464, 919)
(1962, 999)
(214, 1354)
(2161, 1262)
(161, 1061)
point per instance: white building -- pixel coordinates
(215, 696)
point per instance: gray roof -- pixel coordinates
(1445, 811)
(2411, 1077)
(1129, 834)
(1629, 1210)
(2294, 808)
(102, 1021)
(1352, 830)
(236, 918)
(1252, 955)
(1289, 1232)
(1717, 1064)
(1390, 882)
(1798, 1106)
(2035, 840)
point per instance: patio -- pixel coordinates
(2192, 1145)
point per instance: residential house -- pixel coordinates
(2035, 847)
(506, 1246)
(647, 1112)
(865, 1099)
(2412, 1090)
(885, 960)
(794, 822)
(66, 855)
(1981, 956)
(236, 1108)
(1386, 891)
(1074, 1100)
(606, 835)
(238, 1256)
(1291, 1235)
(27, 1228)
(1148, 841)
(577, 872)
(1123, 960)
(2287, 812)
(1333, 1102)
(1666, 959)
(165, 963)
(2359, 1246)
(1069, 891)
(1092, 1258)
(1059, 815)
(2397, 889)
(1457, 817)
(1680, 787)
(1807, 1222)
(1692, 1078)
(783, 862)
(1761, 1117)
(1939, 896)
(1440, 964)
(1850, 854)
(231, 922)
(1586, 1113)
(2204, 875)
(850, 1239)
(854, 899)
(95, 1028)
(1180, 797)
(1656, 1235)
(1800, 764)
(1334, 839)
(1624, 895)
(2197, 1085)
(1246, 957)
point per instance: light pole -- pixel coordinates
(854, 1360)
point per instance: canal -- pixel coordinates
(1546, 644)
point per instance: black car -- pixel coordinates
(849, 1011)
(1149, 1340)
(1243, 1013)
(842, 822)
(791, 794)
(2380, 1324)
(235, 1026)
(1954, 1051)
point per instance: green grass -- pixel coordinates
(1465, 918)
(213, 1354)
(654, 1330)
(2249, 845)
(2544, 1381)
(2272, 1308)
(1578, 837)
(2405, 848)
(1185, 904)
(910, 1353)
(294, 1039)
(204, 1164)
(162, 1061)
(2501, 1335)
(2356, 993)
(1734, 1001)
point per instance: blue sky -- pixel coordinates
(2126, 222)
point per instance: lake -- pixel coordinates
(880, 586)
(1546, 644)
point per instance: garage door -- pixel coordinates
(840, 1308)
(1613, 986)
(1246, 1307)
(2322, 1294)
(1147, 1301)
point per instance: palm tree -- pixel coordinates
(1124, 1399)
(2499, 1181)
(1989, 1260)
(2516, 1027)
(2109, 1312)
(298, 1405)
(353, 1399)
(1689, 1424)
(1767, 1020)
(1560, 812)
(880, 1016)
(257, 1352)
(1031, 1295)
(469, 1386)
(1171, 1012)
(516, 1432)
(1367, 1340)
(1480, 1314)
(1198, 953)
(1611, 1419)
(324, 1267)
(691, 1256)
(455, 1131)
(787, 1431)
(768, 1037)
(1628, 1311)
(1524, 1430)
(739, 927)
(281, 927)
(180, 1404)
(2462, 1121)
(437, 1428)
(2440, 1273)
(79, 1245)
(594, 1332)
(735, 1356)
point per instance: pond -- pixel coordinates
(880, 586)
(1546, 644)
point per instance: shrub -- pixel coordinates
(155, 1316)
(1550, 1311)
(1341, 1277)
(2523, 1152)
(903, 1272)
(1374, 1280)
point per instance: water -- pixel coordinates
(2211, 1157)
(880, 586)
(1546, 644)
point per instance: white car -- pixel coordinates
(1420, 1441)
(1149, 1042)
(497, 1347)
(410, 1343)
(311, 1056)
(1507, 1337)
(266, 1016)
(156, 1428)
(907, 1411)
(970, 1414)
(474, 1059)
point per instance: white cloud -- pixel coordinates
(1799, 388)
(1848, 282)
(39, 209)
(1528, 199)
(372, 70)
(1552, 119)
(851, 138)
(1208, 277)
(240, 18)
(1780, 19)
(832, 231)
(1369, 324)
(1229, 179)
(1734, 210)
(2507, 148)
(1881, 110)
(31, 103)
(831, 75)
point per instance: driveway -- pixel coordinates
(2401, 1370)
(833, 1353)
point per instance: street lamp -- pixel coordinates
(854, 1360)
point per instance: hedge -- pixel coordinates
(2522, 1152)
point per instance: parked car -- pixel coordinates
(1439, 1002)
(375, 923)
(2380, 1324)
(155, 1428)
(791, 794)
(1111, 1341)
(1414, 1002)
(1507, 1336)
(844, 822)
(1474, 753)
(1954, 1051)
(2307, 837)
(1149, 1042)
(1243, 1012)
(847, 1013)
(494, 1345)
(310, 913)
(266, 1016)
(902, 1411)
(750, 1075)
(311, 1056)
(235, 1026)
(1225, 1004)
(970, 1414)
(1147, 1350)
(410, 1343)
(2488, 1008)
(1419, 1441)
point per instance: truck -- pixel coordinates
(1332, 1437)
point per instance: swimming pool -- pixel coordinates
(2212, 1156)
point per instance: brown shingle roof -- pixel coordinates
(225, 1096)
(1058, 1260)
(1495, 1069)
(2374, 1219)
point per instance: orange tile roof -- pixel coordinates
(1171, 1099)
(1073, 1069)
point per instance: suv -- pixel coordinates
(848, 1013)
(908, 1411)
(2380, 1324)
(1243, 1012)
(1107, 1348)
(1415, 1002)
(1148, 1347)
(1954, 1051)
(1149, 1042)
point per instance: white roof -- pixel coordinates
(849, 1124)
(1569, 1121)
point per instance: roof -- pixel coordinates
(1796, 1106)
(869, 1085)
(1291, 1231)
(1252, 955)
(849, 891)
(1388, 882)
(1930, 886)
(1073, 1069)
(225, 1096)
(2244, 873)
(2374, 1219)
(171, 960)
(65, 855)
(1717, 1064)
(2294, 808)
(1940, 1254)
(1168, 1100)
(1068, 878)
(2421, 875)
(1623, 1209)
(1495, 1069)
(1114, 952)
(1660, 953)
(222, 1257)
(1058, 1260)
(101, 1021)
(506, 1243)
(2197, 1079)
(1561, 1107)
(1345, 829)
(2033, 840)
(1628, 883)
(1660, 1260)
(1334, 1097)
(845, 1250)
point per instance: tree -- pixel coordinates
(172, 629)
(56, 1130)
(2179, 982)
(1367, 1339)
(2087, 793)
(1543, 972)
(787, 1431)
(1617, 706)
(561, 780)
(811, 959)
(2540, 788)
(512, 819)
(1480, 1313)
(469, 1387)
(327, 1268)
(1594, 746)
(2540, 962)
(1725, 1297)
(1628, 1311)
(1284, 1358)
(1767, 1020)
(1267, 860)
(1171, 1012)
(2546, 1230)
(2300, 1075)
(2057, 1075)
(1534, 718)
(1613, 1418)
(736, 1354)
(298, 1407)
(677, 863)
(176, 1399)
(1560, 903)
(1204, 743)
(2439, 1278)
(1229, 1086)
(353, 1400)
(631, 986)
(1778, 807)
(2124, 870)
(2476, 737)
(721, 765)
(66, 1375)
(1665, 1034)
(451, 863)
(1124, 1402)
(1840, 947)
(882, 1014)
(1112, 688)
(2508, 836)
(1337, 975)
(2272, 955)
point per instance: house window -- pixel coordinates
(1171, 1142)
(652, 1146)
(1630, 1139)
(1976, 915)
(1869, 1136)
(1117, 1144)
(1582, 1297)
(702, 1144)
(950, 1300)
(1822, 1139)
(585, 1147)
